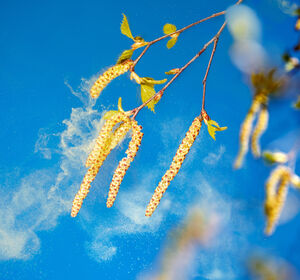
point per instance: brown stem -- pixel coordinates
(215, 39)
(161, 92)
(178, 32)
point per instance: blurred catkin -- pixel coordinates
(245, 132)
(110, 74)
(261, 126)
(124, 164)
(178, 159)
(275, 199)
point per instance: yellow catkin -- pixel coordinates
(178, 159)
(119, 134)
(261, 126)
(245, 132)
(99, 154)
(84, 189)
(110, 74)
(101, 147)
(275, 199)
(124, 164)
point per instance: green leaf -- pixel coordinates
(169, 28)
(125, 29)
(109, 114)
(151, 81)
(127, 54)
(147, 91)
(120, 108)
(171, 43)
(212, 127)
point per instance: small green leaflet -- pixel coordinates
(127, 54)
(125, 29)
(171, 43)
(120, 108)
(212, 127)
(109, 114)
(147, 90)
(169, 28)
(151, 81)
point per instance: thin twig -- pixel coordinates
(215, 39)
(171, 34)
(161, 92)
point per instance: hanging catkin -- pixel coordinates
(110, 74)
(178, 159)
(245, 132)
(105, 142)
(101, 147)
(124, 164)
(275, 199)
(261, 126)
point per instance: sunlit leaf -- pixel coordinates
(171, 43)
(120, 108)
(147, 91)
(151, 81)
(127, 54)
(169, 28)
(109, 114)
(212, 127)
(125, 29)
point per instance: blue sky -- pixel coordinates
(50, 52)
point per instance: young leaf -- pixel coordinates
(173, 71)
(125, 29)
(147, 91)
(171, 42)
(169, 28)
(120, 108)
(127, 54)
(151, 81)
(212, 127)
(109, 114)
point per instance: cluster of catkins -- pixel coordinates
(258, 108)
(112, 133)
(276, 191)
